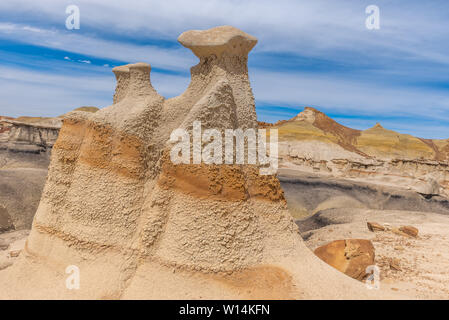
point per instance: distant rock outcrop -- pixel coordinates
(136, 225)
(27, 141)
(31, 137)
(313, 142)
(31, 134)
(25, 148)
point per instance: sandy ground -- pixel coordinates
(11, 243)
(423, 261)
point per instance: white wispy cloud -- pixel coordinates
(314, 27)
(171, 59)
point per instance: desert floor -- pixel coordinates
(328, 214)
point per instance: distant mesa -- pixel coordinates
(25, 148)
(313, 142)
(32, 134)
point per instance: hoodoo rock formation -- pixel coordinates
(138, 226)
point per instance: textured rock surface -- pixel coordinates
(138, 226)
(351, 256)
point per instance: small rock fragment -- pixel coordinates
(399, 232)
(395, 264)
(374, 226)
(351, 256)
(411, 231)
(3, 245)
(14, 253)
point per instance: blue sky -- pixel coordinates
(310, 53)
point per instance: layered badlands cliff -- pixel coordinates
(29, 135)
(20, 135)
(25, 145)
(139, 226)
(312, 142)
(25, 148)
